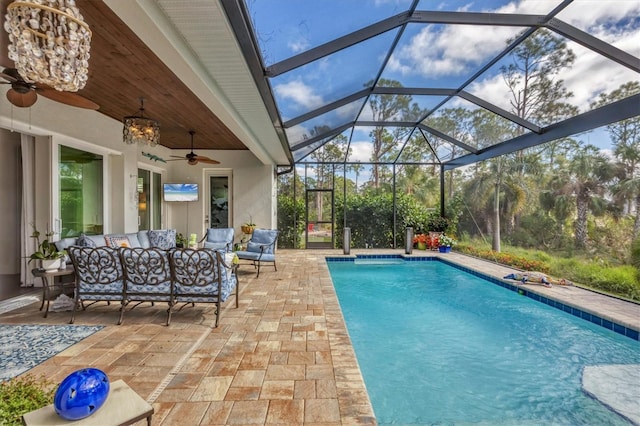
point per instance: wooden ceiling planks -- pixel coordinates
(122, 69)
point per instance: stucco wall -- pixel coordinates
(250, 192)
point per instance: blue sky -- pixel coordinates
(431, 55)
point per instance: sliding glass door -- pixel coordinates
(81, 192)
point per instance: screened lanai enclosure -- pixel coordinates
(503, 116)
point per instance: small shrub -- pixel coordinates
(617, 280)
(635, 256)
(504, 258)
(600, 274)
(22, 395)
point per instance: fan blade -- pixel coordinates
(22, 100)
(205, 160)
(8, 77)
(68, 98)
(178, 156)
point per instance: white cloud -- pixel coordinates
(349, 111)
(493, 90)
(591, 73)
(455, 49)
(438, 51)
(298, 45)
(296, 133)
(298, 92)
(361, 151)
(598, 17)
(451, 50)
(311, 172)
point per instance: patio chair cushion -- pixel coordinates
(262, 238)
(219, 238)
(252, 255)
(146, 273)
(98, 273)
(164, 239)
(195, 274)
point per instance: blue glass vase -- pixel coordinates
(81, 393)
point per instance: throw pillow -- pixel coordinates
(164, 239)
(84, 241)
(116, 241)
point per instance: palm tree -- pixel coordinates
(357, 168)
(419, 183)
(585, 181)
(491, 187)
(627, 191)
(625, 136)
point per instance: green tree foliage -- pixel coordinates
(370, 218)
(386, 140)
(290, 214)
(290, 221)
(536, 92)
(625, 135)
(635, 256)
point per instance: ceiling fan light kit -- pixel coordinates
(49, 43)
(139, 129)
(24, 94)
(192, 158)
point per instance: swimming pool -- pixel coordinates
(438, 345)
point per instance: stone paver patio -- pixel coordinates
(283, 357)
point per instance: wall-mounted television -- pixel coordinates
(180, 191)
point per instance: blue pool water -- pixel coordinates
(437, 345)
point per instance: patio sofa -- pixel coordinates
(152, 274)
(163, 238)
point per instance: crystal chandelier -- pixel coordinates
(49, 43)
(138, 129)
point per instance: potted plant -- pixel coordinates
(49, 256)
(421, 241)
(248, 227)
(181, 241)
(445, 243)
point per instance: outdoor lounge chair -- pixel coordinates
(98, 277)
(218, 239)
(201, 276)
(261, 248)
(147, 276)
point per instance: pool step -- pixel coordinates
(616, 386)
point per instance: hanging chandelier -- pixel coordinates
(138, 129)
(49, 43)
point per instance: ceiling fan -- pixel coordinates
(192, 158)
(24, 94)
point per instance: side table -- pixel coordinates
(122, 407)
(47, 285)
